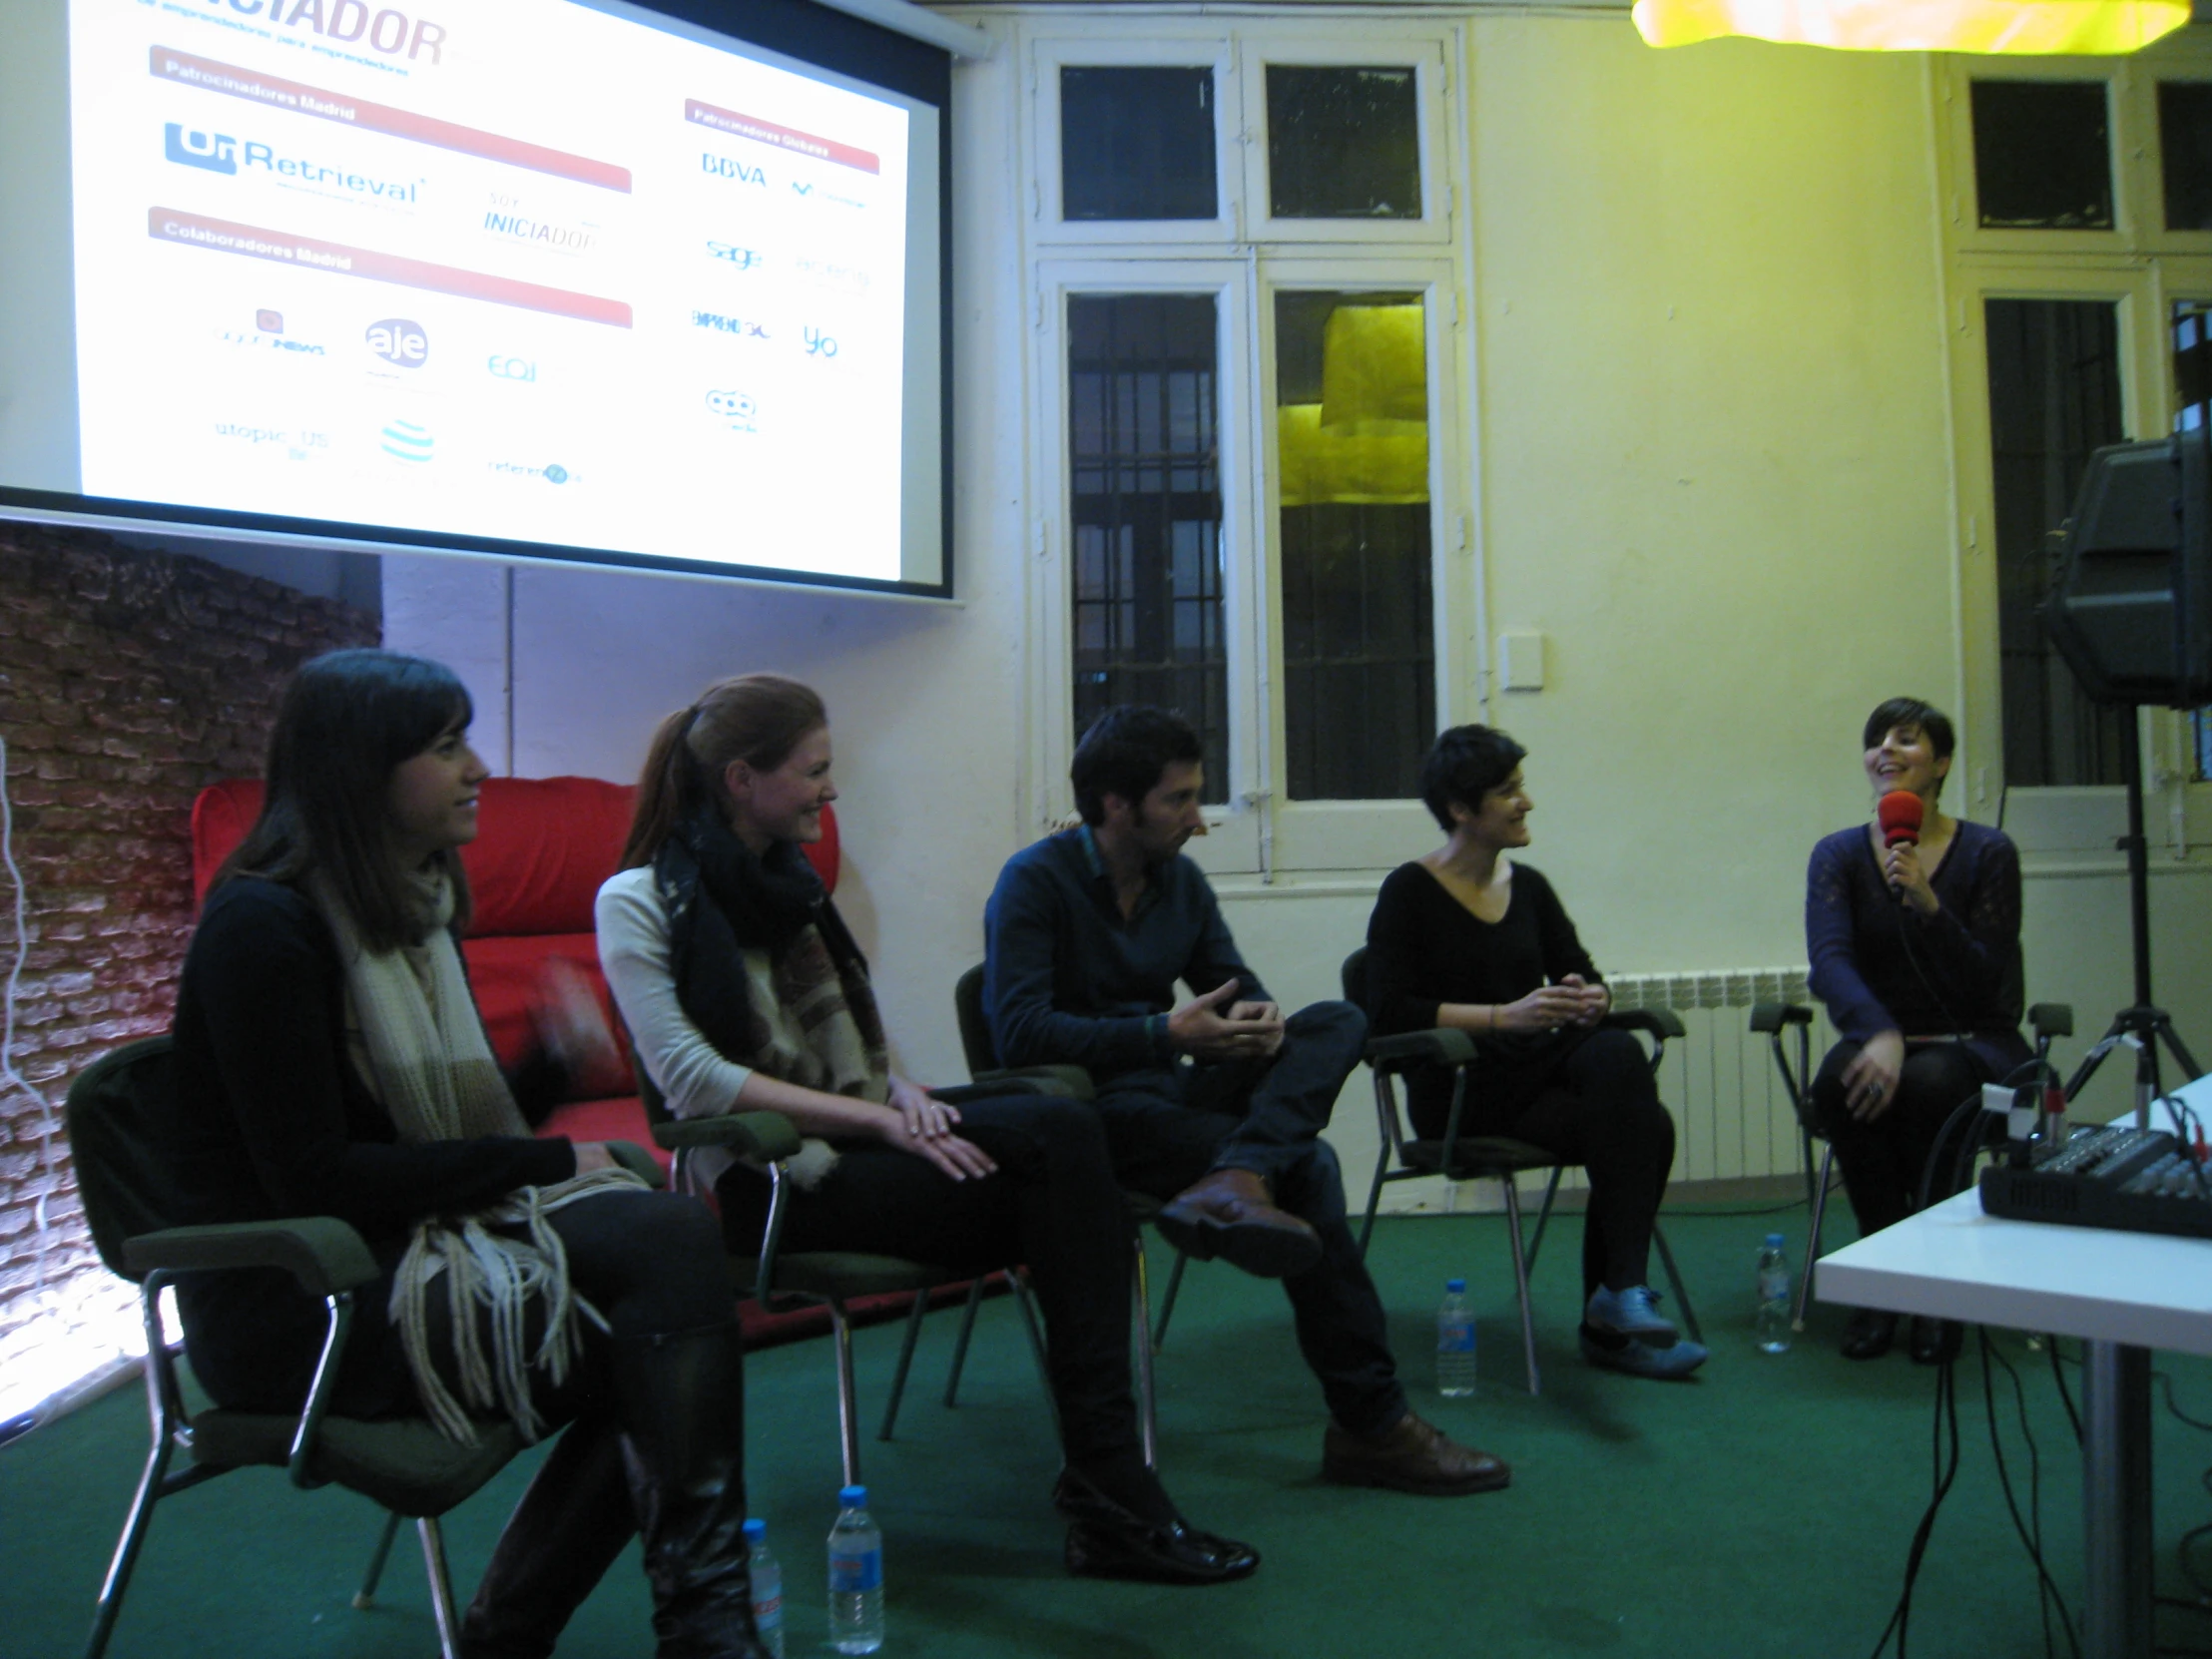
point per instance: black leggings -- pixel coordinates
(1883, 1160)
(1052, 1204)
(1599, 1108)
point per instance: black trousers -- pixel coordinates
(1053, 1204)
(1598, 1107)
(1883, 1160)
(1167, 1128)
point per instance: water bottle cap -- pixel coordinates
(852, 1497)
(1456, 1286)
(1773, 1240)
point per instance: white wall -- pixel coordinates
(1714, 465)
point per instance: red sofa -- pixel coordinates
(543, 847)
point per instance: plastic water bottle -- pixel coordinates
(767, 1589)
(855, 1576)
(1456, 1343)
(1774, 1297)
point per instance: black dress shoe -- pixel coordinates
(1936, 1342)
(1870, 1334)
(1107, 1541)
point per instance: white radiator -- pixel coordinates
(1732, 1114)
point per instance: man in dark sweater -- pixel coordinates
(1215, 1104)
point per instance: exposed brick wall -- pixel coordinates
(129, 680)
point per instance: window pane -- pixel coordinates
(2054, 396)
(1343, 142)
(1359, 645)
(2185, 144)
(1137, 143)
(1144, 425)
(2041, 156)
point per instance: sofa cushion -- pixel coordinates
(543, 847)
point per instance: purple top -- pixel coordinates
(1879, 966)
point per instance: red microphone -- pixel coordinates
(1898, 813)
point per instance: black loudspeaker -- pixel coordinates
(2130, 605)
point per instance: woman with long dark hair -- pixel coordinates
(1470, 939)
(331, 1061)
(742, 989)
(1916, 949)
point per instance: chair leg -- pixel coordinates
(1674, 1279)
(1813, 1239)
(441, 1587)
(1140, 1284)
(1374, 1199)
(959, 1349)
(914, 1316)
(1543, 1216)
(365, 1597)
(1520, 1284)
(848, 1403)
(1032, 1326)
(127, 1547)
(1167, 1307)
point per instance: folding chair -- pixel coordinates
(1458, 1157)
(116, 1109)
(1774, 1020)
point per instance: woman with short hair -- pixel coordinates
(1471, 939)
(331, 1061)
(1916, 950)
(744, 989)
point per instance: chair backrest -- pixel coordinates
(118, 1110)
(1354, 975)
(975, 1022)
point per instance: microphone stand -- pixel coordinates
(2141, 1027)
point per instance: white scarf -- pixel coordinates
(419, 1044)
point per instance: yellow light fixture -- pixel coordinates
(2022, 27)
(1324, 465)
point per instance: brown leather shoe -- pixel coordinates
(1231, 1214)
(1413, 1456)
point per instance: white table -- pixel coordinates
(2124, 1294)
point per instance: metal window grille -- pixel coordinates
(1144, 421)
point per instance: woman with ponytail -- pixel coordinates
(331, 1061)
(742, 989)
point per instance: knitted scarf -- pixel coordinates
(419, 1044)
(722, 900)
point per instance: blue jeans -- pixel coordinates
(1166, 1128)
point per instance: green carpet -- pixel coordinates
(1763, 1508)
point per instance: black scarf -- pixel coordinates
(754, 901)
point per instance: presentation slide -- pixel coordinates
(524, 270)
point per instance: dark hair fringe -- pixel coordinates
(347, 719)
(1463, 765)
(755, 718)
(1931, 720)
(1124, 753)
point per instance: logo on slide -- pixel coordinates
(269, 323)
(720, 167)
(217, 152)
(511, 369)
(819, 193)
(406, 441)
(734, 408)
(729, 324)
(399, 343)
(744, 258)
(552, 474)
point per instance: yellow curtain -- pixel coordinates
(1324, 465)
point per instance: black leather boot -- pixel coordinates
(680, 1398)
(563, 1537)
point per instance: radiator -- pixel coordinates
(1732, 1114)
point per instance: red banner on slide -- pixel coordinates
(308, 253)
(784, 138)
(271, 93)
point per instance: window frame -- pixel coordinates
(1257, 837)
